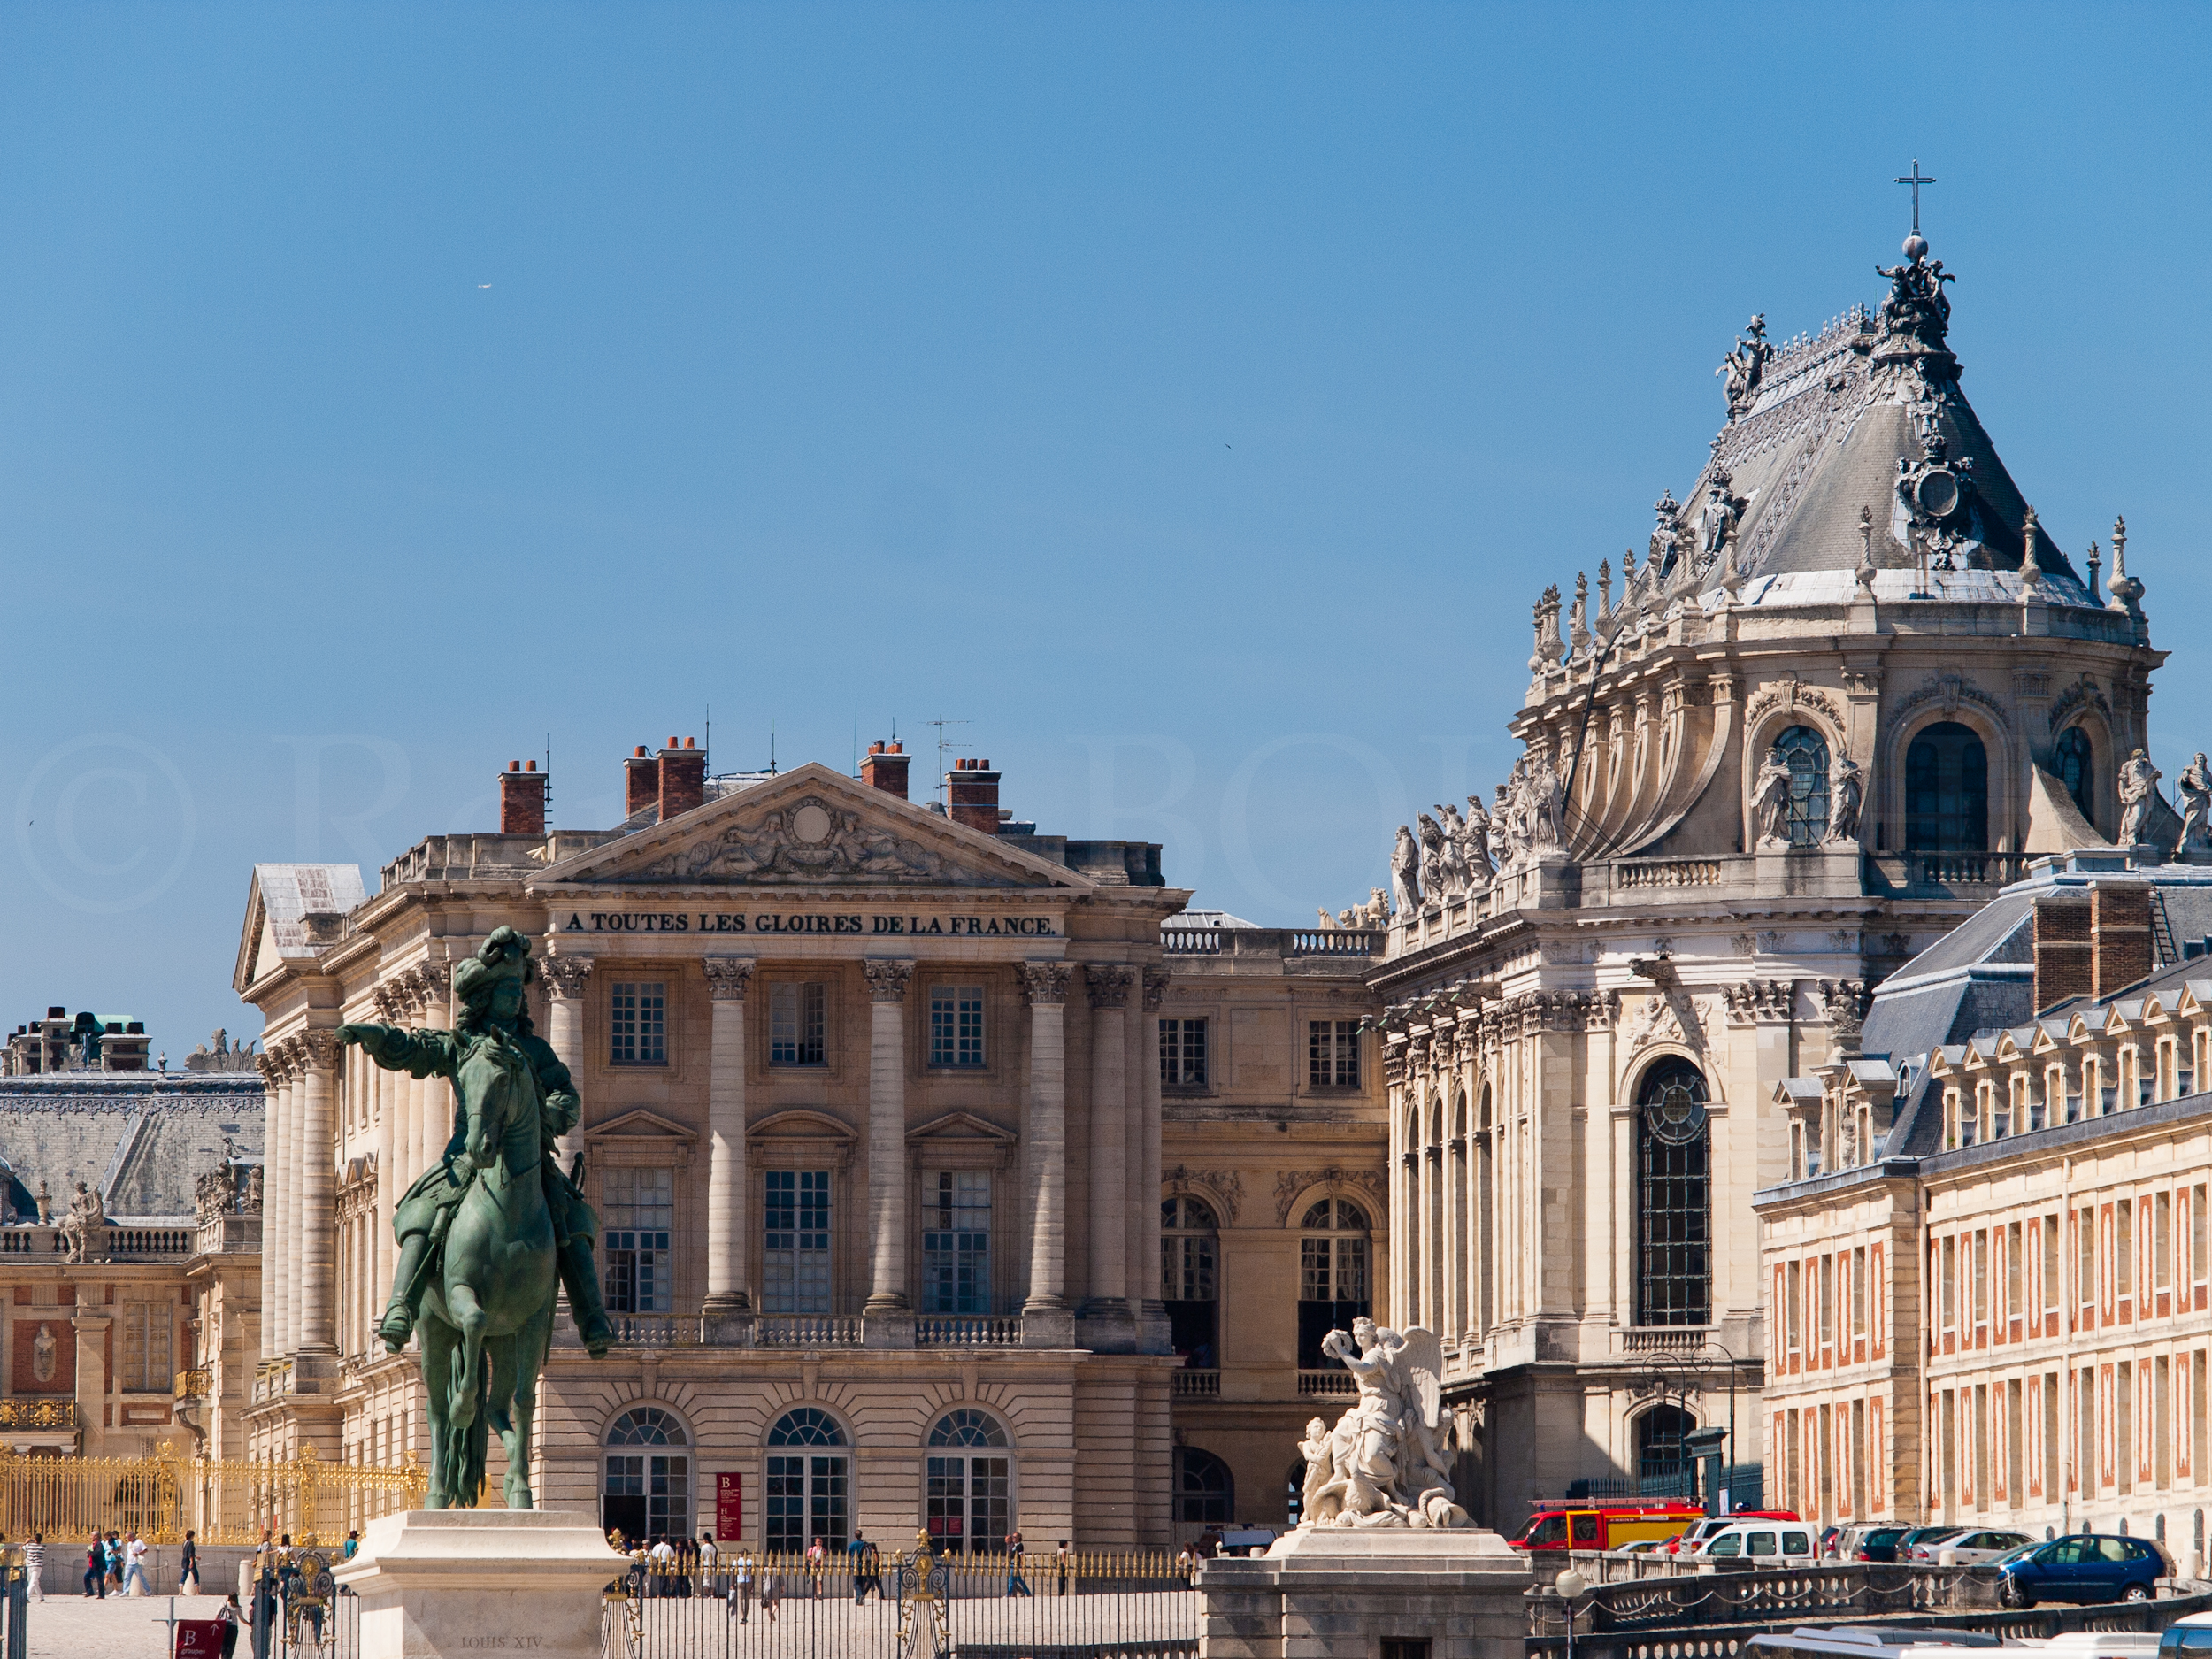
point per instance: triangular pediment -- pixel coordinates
(640, 1124)
(958, 1125)
(810, 828)
(278, 900)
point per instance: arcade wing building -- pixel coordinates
(1850, 687)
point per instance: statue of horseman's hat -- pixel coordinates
(504, 956)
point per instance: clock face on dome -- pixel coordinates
(1937, 493)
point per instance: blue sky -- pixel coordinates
(1193, 398)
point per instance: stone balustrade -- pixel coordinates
(116, 1242)
(966, 1330)
(1197, 1385)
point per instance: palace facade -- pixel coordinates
(1852, 687)
(871, 1120)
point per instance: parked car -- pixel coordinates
(2191, 1635)
(1781, 1543)
(1873, 1543)
(1904, 1546)
(1688, 1542)
(1969, 1548)
(2083, 1567)
(1646, 1546)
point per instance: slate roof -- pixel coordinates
(139, 1138)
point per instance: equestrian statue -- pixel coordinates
(489, 1228)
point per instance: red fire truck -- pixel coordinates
(1593, 1525)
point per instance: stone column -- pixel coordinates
(1109, 987)
(1144, 1241)
(319, 1234)
(1046, 1320)
(887, 980)
(566, 980)
(387, 1093)
(288, 1212)
(728, 979)
(271, 1107)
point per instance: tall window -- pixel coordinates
(1946, 791)
(1332, 1278)
(795, 1242)
(1182, 1054)
(638, 1024)
(147, 1335)
(1333, 1053)
(641, 1212)
(956, 1241)
(955, 1025)
(1205, 1492)
(806, 1484)
(1189, 1277)
(1674, 1278)
(969, 1484)
(797, 1018)
(1807, 753)
(647, 1491)
(1663, 1452)
(2075, 761)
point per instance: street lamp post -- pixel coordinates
(1570, 1584)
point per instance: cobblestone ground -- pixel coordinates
(121, 1627)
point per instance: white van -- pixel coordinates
(1763, 1543)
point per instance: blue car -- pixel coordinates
(2085, 1567)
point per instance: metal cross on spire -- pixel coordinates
(1916, 179)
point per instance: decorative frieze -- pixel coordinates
(1226, 1184)
(1290, 1183)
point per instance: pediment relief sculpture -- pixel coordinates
(811, 839)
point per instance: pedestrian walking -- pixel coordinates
(35, 1566)
(817, 1558)
(188, 1566)
(134, 1566)
(96, 1569)
(1064, 1563)
(769, 1593)
(1016, 1584)
(874, 1561)
(664, 1564)
(115, 1560)
(857, 1563)
(742, 1587)
(710, 1563)
(1186, 1564)
(231, 1616)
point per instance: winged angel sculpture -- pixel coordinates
(1384, 1464)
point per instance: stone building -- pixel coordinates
(140, 1329)
(90, 1041)
(1988, 1261)
(871, 1123)
(1850, 687)
(1275, 1225)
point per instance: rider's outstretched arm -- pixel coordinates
(416, 1053)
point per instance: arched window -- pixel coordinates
(647, 1491)
(1807, 753)
(1674, 1277)
(2075, 761)
(1189, 1275)
(1946, 791)
(1332, 1277)
(1205, 1492)
(805, 1487)
(969, 1496)
(1662, 1449)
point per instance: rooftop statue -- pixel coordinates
(1385, 1463)
(1405, 875)
(82, 1227)
(1917, 309)
(2139, 798)
(1742, 368)
(486, 1230)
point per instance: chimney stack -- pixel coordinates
(642, 781)
(522, 799)
(683, 781)
(974, 795)
(2063, 949)
(885, 768)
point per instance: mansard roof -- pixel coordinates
(1865, 413)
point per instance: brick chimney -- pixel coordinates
(522, 799)
(683, 782)
(974, 795)
(2063, 949)
(885, 768)
(2120, 928)
(642, 781)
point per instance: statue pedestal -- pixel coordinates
(440, 1583)
(1324, 1592)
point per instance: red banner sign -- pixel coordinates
(199, 1638)
(729, 1508)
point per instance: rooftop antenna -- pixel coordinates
(548, 776)
(709, 737)
(940, 722)
(855, 739)
(771, 748)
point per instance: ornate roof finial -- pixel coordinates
(1865, 572)
(2127, 592)
(2095, 565)
(1605, 590)
(2030, 568)
(1917, 179)
(1578, 626)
